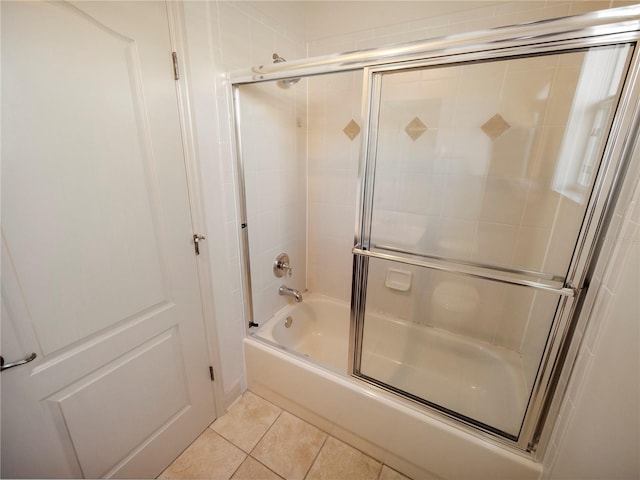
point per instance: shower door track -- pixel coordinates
(618, 24)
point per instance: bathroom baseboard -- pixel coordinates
(231, 395)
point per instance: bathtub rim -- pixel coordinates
(469, 437)
(270, 322)
(422, 404)
(373, 389)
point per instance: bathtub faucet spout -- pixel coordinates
(284, 290)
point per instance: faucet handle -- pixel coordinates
(281, 266)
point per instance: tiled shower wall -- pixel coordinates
(333, 158)
(273, 139)
(597, 433)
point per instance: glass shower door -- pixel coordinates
(478, 182)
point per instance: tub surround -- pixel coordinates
(407, 439)
(465, 376)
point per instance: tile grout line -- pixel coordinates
(282, 410)
(265, 432)
(248, 454)
(238, 467)
(272, 471)
(382, 464)
(317, 454)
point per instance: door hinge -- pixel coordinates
(176, 72)
(196, 242)
(213, 377)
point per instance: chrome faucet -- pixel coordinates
(284, 290)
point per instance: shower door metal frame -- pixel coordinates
(614, 158)
(612, 26)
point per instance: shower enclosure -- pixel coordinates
(479, 171)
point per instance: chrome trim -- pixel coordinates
(603, 22)
(467, 270)
(362, 164)
(606, 178)
(6, 366)
(242, 209)
(548, 359)
(358, 278)
(358, 300)
(531, 273)
(282, 266)
(369, 155)
(290, 292)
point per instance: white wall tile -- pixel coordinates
(601, 438)
(463, 196)
(531, 247)
(262, 43)
(537, 332)
(514, 317)
(503, 202)
(540, 208)
(590, 6)
(495, 243)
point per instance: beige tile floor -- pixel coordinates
(255, 440)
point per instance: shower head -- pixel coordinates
(287, 82)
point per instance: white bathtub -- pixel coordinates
(303, 368)
(319, 330)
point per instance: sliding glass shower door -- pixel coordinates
(478, 196)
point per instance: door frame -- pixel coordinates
(174, 27)
(177, 35)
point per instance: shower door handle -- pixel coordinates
(29, 358)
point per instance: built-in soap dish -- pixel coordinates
(399, 280)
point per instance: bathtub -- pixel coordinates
(303, 368)
(319, 330)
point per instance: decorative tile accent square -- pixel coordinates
(415, 128)
(351, 130)
(339, 460)
(247, 421)
(289, 447)
(495, 126)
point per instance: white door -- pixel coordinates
(99, 272)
